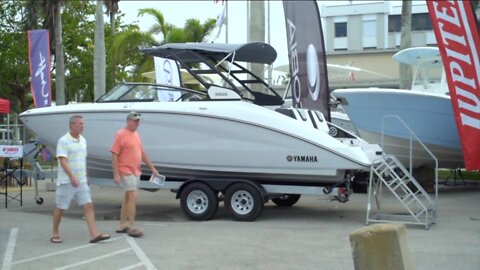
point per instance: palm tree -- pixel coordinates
(126, 44)
(161, 27)
(53, 22)
(99, 65)
(405, 74)
(59, 58)
(124, 51)
(112, 10)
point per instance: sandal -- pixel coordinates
(135, 233)
(124, 230)
(100, 237)
(56, 239)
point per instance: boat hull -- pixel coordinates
(192, 140)
(429, 116)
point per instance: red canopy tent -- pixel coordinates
(4, 105)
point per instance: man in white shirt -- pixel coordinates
(72, 180)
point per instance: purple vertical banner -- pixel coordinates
(39, 59)
(306, 53)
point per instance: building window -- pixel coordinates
(341, 29)
(394, 23)
(369, 34)
(421, 22)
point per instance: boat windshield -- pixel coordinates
(149, 92)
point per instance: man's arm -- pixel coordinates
(116, 173)
(68, 171)
(149, 164)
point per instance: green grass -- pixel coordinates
(467, 175)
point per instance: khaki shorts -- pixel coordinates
(130, 182)
(66, 193)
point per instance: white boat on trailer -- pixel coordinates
(220, 142)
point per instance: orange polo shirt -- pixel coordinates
(128, 147)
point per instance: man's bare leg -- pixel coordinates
(131, 203)
(123, 212)
(57, 217)
(90, 219)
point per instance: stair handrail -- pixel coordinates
(410, 150)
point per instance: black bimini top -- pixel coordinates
(255, 52)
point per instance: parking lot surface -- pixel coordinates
(313, 234)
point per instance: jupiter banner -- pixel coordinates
(39, 59)
(306, 53)
(457, 33)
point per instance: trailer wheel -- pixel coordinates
(198, 201)
(39, 200)
(286, 200)
(243, 202)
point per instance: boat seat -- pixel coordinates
(266, 100)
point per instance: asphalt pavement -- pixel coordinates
(313, 234)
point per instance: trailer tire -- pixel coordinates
(286, 200)
(198, 201)
(243, 201)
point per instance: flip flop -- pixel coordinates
(135, 233)
(124, 230)
(99, 238)
(56, 240)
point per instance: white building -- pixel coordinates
(366, 35)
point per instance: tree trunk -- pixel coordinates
(59, 61)
(405, 75)
(99, 53)
(113, 31)
(112, 22)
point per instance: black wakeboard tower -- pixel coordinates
(202, 59)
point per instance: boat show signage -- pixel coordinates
(11, 151)
(306, 55)
(168, 73)
(39, 59)
(457, 33)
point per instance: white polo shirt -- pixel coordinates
(75, 150)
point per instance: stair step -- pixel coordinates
(397, 179)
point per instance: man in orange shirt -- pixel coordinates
(127, 156)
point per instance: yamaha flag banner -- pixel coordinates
(39, 59)
(306, 53)
(457, 34)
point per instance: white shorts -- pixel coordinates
(130, 182)
(66, 193)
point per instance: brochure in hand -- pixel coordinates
(158, 179)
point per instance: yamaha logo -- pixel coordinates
(167, 72)
(302, 158)
(10, 150)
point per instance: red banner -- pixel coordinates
(457, 34)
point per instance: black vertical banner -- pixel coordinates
(306, 54)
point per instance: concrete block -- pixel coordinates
(380, 247)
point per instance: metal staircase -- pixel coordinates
(419, 208)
